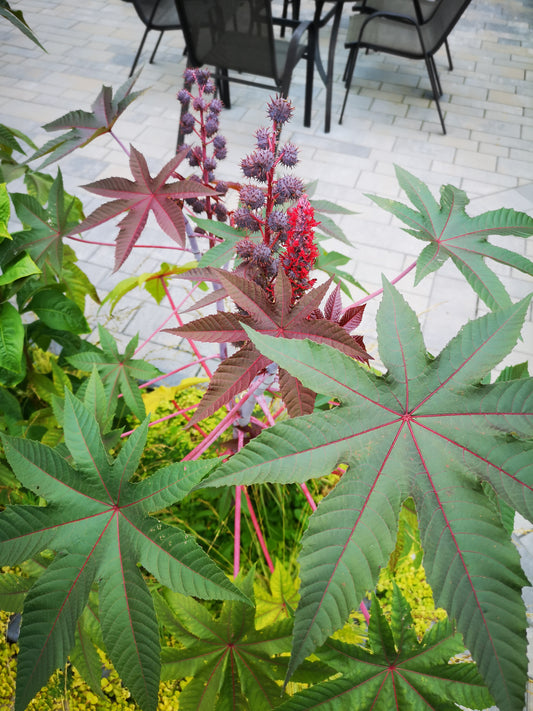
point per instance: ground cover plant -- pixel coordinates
(414, 463)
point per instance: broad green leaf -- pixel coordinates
(233, 664)
(396, 672)
(329, 262)
(58, 312)
(453, 234)
(100, 526)
(120, 373)
(23, 267)
(150, 280)
(5, 211)
(222, 253)
(11, 338)
(429, 430)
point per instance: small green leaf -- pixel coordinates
(58, 311)
(23, 267)
(11, 338)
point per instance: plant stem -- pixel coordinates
(224, 424)
(190, 342)
(261, 538)
(369, 297)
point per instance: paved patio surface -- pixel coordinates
(390, 119)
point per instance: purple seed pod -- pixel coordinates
(245, 249)
(258, 164)
(216, 106)
(187, 123)
(199, 103)
(194, 156)
(184, 97)
(278, 221)
(288, 187)
(289, 155)
(279, 109)
(210, 164)
(252, 197)
(221, 187)
(262, 136)
(221, 212)
(203, 76)
(244, 219)
(211, 124)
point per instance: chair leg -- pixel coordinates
(147, 30)
(350, 67)
(309, 77)
(433, 78)
(222, 83)
(156, 46)
(448, 53)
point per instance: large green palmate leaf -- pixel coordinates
(396, 672)
(453, 234)
(98, 524)
(427, 429)
(234, 665)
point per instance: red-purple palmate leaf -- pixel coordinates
(275, 317)
(138, 196)
(99, 525)
(427, 429)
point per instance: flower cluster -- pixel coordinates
(262, 208)
(205, 125)
(300, 249)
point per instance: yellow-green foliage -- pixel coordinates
(169, 441)
(406, 570)
(67, 690)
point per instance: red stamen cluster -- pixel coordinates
(301, 251)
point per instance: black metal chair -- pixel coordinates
(158, 15)
(422, 9)
(238, 36)
(404, 36)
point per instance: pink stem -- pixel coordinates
(238, 510)
(117, 139)
(191, 343)
(173, 372)
(162, 419)
(223, 425)
(264, 406)
(237, 541)
(369, 297)
(135, 246)
(187, 295)
(307, 493)
(258, 531)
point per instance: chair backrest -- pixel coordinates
(157, 14)
(442, 21)
(230, 34)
